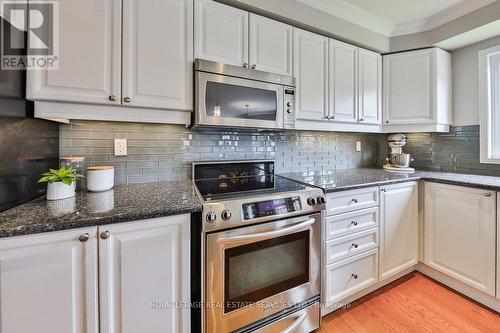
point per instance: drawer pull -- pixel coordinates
(487, 194)
(355, 200)
(354, 223)
(355, 276)
(354, 245)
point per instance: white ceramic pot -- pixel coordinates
(59, 190)
(100, 178)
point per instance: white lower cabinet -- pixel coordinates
(48, 283)
(144, 276)
(351, 275)
(460, 234)
(398, 228)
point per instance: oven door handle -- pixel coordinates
(269, 234)
(295, 324)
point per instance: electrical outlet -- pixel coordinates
(120, 147)
(358, 145)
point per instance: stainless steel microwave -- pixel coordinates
(229, 96)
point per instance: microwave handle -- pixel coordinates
(269, 234)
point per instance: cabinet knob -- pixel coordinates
(245, 65)
(326, 117)
(105, 234)
(354, 200)
(254, 66)
(126, 99)
(487, 194)
(361, 119)
(331, 117)
(355, 276)
(85, 237)
(112, 98)
(354, 245)
(387, 121)
(354, 223)
(383, 189)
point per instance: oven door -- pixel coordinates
(257, 271)
(235, 102)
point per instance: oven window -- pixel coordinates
(259, 270)
(230, 101)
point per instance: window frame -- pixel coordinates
(485, 108)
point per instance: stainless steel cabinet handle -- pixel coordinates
(487, 194)
(332, 117)
(326, 117)
(85, 237)
(112, 98)
(126, 99)
(105, 234)
(245, 65)
(355, 276)
(355, 200)
(354, 245)
(254, 66)
(354, 223)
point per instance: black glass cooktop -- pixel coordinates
(237, 179)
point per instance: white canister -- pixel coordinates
(100, 178)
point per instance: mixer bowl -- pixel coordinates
(400, 160)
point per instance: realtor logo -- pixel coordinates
(29, 35)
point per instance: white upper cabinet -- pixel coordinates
(270, 45)
(417, 91)
(310, 54)
(158, 54)
(89, 55)
(369, 87)
(343, 80)
(142, 263)
(48, 283)
(220, 33)
(398, 228)
(460, 234)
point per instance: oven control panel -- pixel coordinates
(270, 207)
(289, 106)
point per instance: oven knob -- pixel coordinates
(311, 201)
(321, 200)
(289, 110)
(211, 217)
(226, 215)
(289, 104)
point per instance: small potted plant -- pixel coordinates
(61, 183)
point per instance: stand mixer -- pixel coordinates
(397, 161)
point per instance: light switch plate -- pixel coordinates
(120, 147)
(358, 145)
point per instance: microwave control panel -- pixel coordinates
(289, 106)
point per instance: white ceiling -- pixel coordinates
(398, 17)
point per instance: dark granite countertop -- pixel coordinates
(341, 180)
(124, 203)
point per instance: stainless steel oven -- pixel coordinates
(261, 270)
(235, 97)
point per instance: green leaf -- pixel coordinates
(43, 179)
(67, 181)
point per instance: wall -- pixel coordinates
(457, 151)
(465, 82)
(165, 152)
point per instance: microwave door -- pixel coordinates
(234, 102)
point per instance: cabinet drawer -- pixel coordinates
(347, 246)
(349, 223)
(347, 201)
(349, 276)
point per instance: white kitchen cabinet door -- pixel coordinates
(270, 45)
(89, 55)
(369, 87)
(311, 73)
(145, 276)
(221, 33)
(158, 54)
(460, 226)
(417, 91)
(343, 80)
(398, 228)
(48, 283)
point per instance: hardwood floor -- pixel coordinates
(412, 304)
